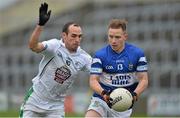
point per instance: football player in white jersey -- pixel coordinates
(61, 62)
(116, 65)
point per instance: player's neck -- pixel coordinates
(120, 49)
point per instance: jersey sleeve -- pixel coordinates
(142, 65)
(96, 66)
(50, 46)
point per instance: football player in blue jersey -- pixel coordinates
(117, 65)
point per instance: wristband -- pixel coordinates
(134, 94)
(104, 92)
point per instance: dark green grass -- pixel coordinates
(13, 113)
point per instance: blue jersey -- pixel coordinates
(118, 69)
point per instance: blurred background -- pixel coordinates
(153, 25)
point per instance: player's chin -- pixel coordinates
(115, 48)
(75, 48)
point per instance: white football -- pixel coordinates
(121, 99)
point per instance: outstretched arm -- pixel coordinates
(34, 43)
(44, 16)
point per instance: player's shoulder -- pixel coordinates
(133, 48)
(102, 51)
(83, 53)
(53, 41)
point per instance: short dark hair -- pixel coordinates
(118, 23)
(66, 26)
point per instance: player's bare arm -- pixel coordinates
(44, 16)
(94, 84)
(34, 43)
(143, 82)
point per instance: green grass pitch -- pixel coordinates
(13, 113)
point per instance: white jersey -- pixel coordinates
(58, 69)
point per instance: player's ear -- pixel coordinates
(126, 35)
(63, 35)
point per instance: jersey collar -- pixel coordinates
(114, 52)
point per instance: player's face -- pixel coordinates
(73, 38)
(116, 39)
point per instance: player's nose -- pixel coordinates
(77, 40)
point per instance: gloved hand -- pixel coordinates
(44, 14)
(106, 96)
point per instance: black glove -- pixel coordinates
(44, 14)
(135, 98)
(106, 96)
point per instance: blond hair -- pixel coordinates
(118, 23)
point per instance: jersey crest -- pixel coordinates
(62, 74)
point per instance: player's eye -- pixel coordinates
(80, 36)
(110, 36)
(117, 37)
(74, 36)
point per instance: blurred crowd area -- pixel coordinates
(153, 25)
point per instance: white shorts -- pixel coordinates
(44, 113)
(102, 108)
(34, 106)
